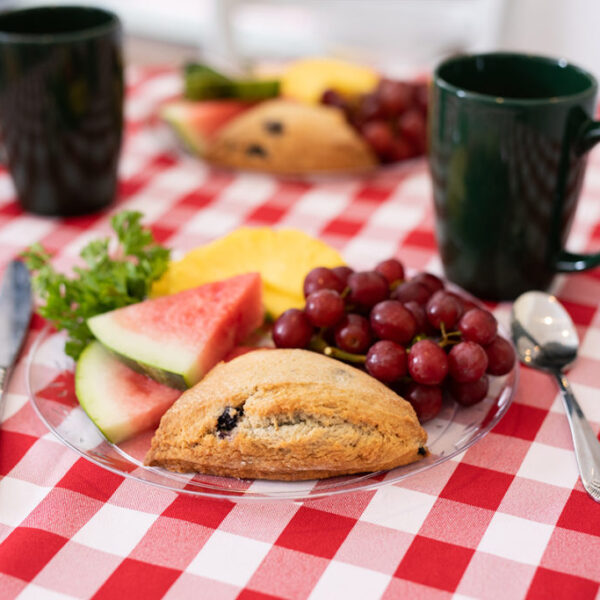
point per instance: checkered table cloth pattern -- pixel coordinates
(506, 519)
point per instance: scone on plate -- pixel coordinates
(287, 137)
(290, 415)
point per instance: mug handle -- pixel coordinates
(570, 262)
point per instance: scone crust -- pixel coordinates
(287, 137)
(303, 416)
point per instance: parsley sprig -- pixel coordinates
(110, 279)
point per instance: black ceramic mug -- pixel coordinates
(508, 135)
(61, 106)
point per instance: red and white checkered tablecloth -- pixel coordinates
(506, 519)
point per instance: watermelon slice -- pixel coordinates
(197, 123)
(121, 402)
(176, 339)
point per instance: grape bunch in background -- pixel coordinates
(391, 119)
(411, 334)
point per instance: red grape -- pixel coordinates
(412, 126)
(334, 98)
(427, 363)
(391, 269)
(443, 308)
(462, 302)
(421, 96)
(343, 273)
(370, 108)
(418, 312)
(478, 325)
(400, 149)
(466, 303)
(425, 399)
(386, 361)
(470, 392)
(321, 278)
(367, 288)
(501, 356)
(390, 320)
(292, 329)
(353, 334)
(411, 291)
(394, 96)
(379, 135)
(467, 362)
(324, 308)
(430, 281)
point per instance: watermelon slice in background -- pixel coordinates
(197, 123)
(177, 339)
(120, 401)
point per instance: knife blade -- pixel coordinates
(15, 314)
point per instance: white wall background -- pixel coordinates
(396, 34)
(569, 28)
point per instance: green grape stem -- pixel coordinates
(318, 344)
(345, 356)
(449, 338)
(417, 338)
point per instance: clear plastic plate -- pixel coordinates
(50, 380)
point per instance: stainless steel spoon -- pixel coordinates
(546, 339)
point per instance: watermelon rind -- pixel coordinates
(93, 367)
(175, 115)
(196, 123)
(176, 339)
(118, 401)
(179, 381)
(166, 363)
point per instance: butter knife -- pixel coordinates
(15, 314)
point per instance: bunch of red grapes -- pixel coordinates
(392, 118)
(413, 334)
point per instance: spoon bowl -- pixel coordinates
(543, 332)
(546, 339)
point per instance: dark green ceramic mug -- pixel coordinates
(508, 136)
(61, 106)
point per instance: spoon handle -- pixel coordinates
(587, 446)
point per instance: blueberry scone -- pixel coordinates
(290, 415)
(287, 137)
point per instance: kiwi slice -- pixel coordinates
(255, 89)
(204, 83)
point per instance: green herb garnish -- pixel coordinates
(112, 279)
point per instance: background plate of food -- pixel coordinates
(319, 116)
